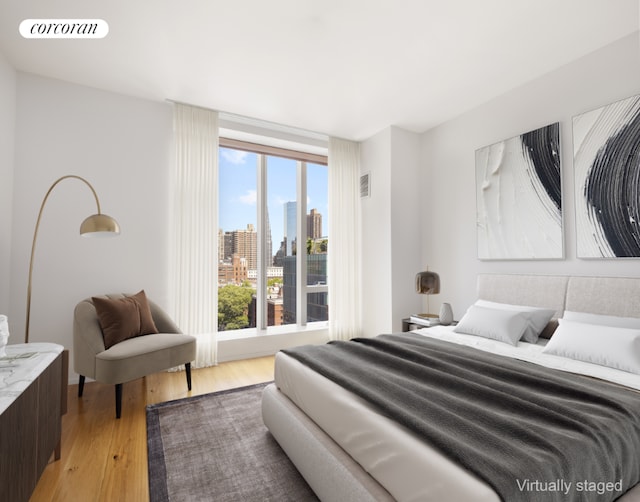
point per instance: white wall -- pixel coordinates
(448, 230)
(406, 217)
(375, 158)
(7, 138)
(391, 253)
(122, 146)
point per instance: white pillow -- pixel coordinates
(537, 318)
(617, 348)
(502, 325)
(602, 320)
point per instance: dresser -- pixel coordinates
(33, 383)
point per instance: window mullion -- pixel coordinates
(263, 263)
(301, 262)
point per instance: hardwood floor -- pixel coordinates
(104, 459)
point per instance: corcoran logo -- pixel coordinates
(64, 28)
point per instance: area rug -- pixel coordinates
(215, 447)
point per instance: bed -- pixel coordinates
(348, 450)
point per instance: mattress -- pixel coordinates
(394, 456)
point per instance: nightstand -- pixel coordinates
(407, 325)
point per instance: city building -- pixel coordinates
(314, 224)
(290, 227)
(234, 271)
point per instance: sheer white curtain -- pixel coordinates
(344, 240)
(194, 259)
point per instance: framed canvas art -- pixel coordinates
(519, 197)
(606, 162)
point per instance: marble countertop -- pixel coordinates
(21, 365)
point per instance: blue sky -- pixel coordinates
(238, 180)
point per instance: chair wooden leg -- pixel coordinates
(80, 385)
(118, 399)
(187, 368)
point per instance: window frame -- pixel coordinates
(302, 288)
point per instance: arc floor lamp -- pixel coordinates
(98, 224)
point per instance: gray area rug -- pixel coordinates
(215, 447)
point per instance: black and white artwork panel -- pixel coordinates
(606, 160)
(519, 197)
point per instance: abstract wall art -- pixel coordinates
(519, 197)
(606, 161)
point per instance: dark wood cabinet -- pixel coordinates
(30, 431)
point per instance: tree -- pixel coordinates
(317, 246)
(233, 306)
(274, 281)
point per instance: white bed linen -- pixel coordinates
(408, 468)
(533, 353)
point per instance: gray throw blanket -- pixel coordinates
(531, 433)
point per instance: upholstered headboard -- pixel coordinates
(548, 291)
(599, 295)
(604, 295)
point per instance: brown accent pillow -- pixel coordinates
(124, 318)
(147, 326)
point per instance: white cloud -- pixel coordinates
(249, 198)
(234, 156)
(279, 201)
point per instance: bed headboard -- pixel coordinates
(548, 291)
(604, 295)
(618, 296)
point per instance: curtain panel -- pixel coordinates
(194, 284)
(345, 310)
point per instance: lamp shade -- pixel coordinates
(427, 283)
(98, 225)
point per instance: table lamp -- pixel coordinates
(428, 283)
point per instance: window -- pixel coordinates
(273, 245)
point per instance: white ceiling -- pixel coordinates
(346, 68)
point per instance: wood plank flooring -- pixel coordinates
(104, 459)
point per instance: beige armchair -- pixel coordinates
(129, 359)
